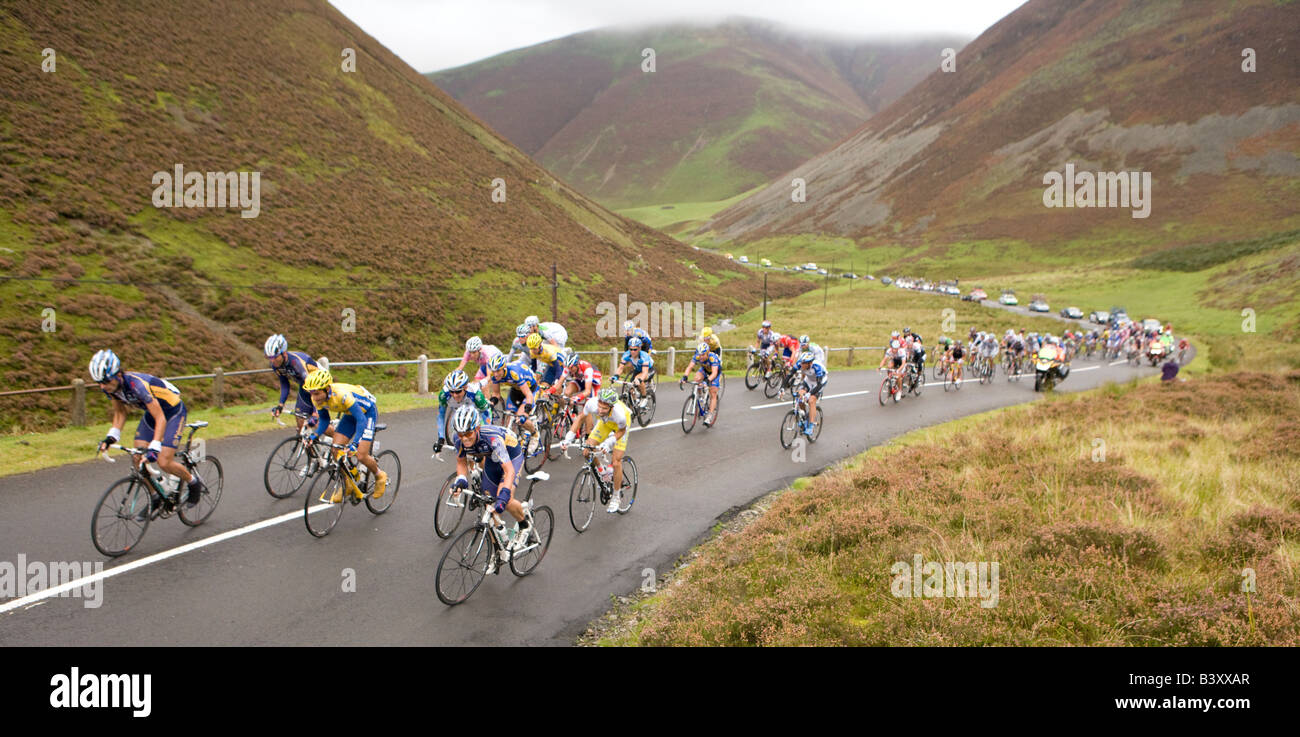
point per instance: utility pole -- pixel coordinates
(827, 283)
(555, 294)
(765, 296)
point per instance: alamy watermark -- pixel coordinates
(180, 188)
(931, 579)
(1100, 189)
(659, 319)
(25, 577)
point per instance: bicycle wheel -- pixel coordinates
(464, 566)
(647, 412)
(446, 518)
(919, 384)
(722, 385)
(938, 370)
(789, 429)
(562, 424)
(320, 512)
(689, 414)
(752, 375)
(535, 457)
(114, 528)
(773, 385)
(390, 464)
(953, 382)
(209, 472)
(884, 390)
(627, 491)
(286, 468)
(539, 541)
(582, 500)
(817, 426)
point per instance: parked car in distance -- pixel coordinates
(766, 263)
(1039, 305)
(1008, 298)
(886, 280)
(810, 266)
(849, 275)
(822, 272)
(872, 278)
(978, 294)
(1101, 317)
(743, 259)
(1151, 324)
(1074, 313)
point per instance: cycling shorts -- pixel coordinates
(171, 431)
(348, 425)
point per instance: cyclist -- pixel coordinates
(547, 359)
(478, 353)
(765, 343)
(630, 331)
(358, 414)
(789, 349)
(813, 377)
(988, 351)
(581, 379)
(707, 336)
(519, 348)
(457, 392)
(894, 356)
(638, 366)
(551, 332)
(708, 367)
(916, 351)
(610, 421)
(287, 365)
(523, 391)
(819, 353)
(503, 459)
(956, 355)
(161, 426)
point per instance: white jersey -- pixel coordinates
(554, 331)
(819, 354)
(618, 414)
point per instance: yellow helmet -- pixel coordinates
(706, 332)
(534, 342)
(318, 379)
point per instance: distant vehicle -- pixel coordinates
(885, 280)
(822, 272)
(810, 266)
(729, 258)
(849, 275)
(766, 263)
(1008, 298)
(1151, 324)
(952, 290)
(1073, 313)
(1101, 317)
(1038, 303)
(978, 295)
(744, 259)
(872, 278)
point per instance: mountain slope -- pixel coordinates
(727, 108)
(370, 180)
(1105, 84)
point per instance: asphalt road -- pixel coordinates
(252, 575)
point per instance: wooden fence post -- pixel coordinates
(218, 388)
(672, 361)
(850, 363)
(78, 403)
(423, 387)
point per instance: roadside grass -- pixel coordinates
(27, 452)
(678, 213)
(1121, 516)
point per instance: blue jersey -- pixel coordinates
(814, 375)
(497, 444)
(518, 375)
(296, 367)
(708, 363)
(140, 390)
(646, 344)
(640, 362)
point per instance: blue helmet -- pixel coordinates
(104, 365)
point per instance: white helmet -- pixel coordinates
(628, 327)
(103, 365)
(455, 381)
(474, 344)
(895, 344)
(275, 345)
(531, 321)
(521, 331)
(466, 418)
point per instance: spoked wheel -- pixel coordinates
(120, 518)
(554, 453)
(286, 468)
(789, 429)
(938, 371)
(525, 561)
(884, 390)
(320, 512)
(752, 377)
(689, 414)
(627, 492)
(773, 385)
(464, 566)
(722, 384)
(647, 412)
(535, 454)
(582, 499)
(919, 386)
(390, 464)
(817, 425)
(209, 472)
(446, 518)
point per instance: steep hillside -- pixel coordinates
(375, 196)
(727, 108)
(1105, 84)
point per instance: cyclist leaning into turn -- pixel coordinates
(813, 377)
(523, 391)
(457, 392)
(610, 421)
(358, 414)
(290, 365)
(503, 460)
(161, 427)
(707, 367)
(637, 364)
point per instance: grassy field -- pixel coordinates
(675, 216)
(1123, 516)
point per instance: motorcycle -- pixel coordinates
(1049, 371)
(1155, 352)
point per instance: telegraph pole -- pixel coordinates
(765, 295)
(827, 282)
(555, 293)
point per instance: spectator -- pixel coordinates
(1169, 370)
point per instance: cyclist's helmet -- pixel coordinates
(628, 327)
(521, 331)
(456, 381)
(466, 419)
(104, 365)
(907, 331)
(1051, 340)
(570, 360)
(531, 322)
(895, 344)
(767, 324)
(275, 345)
(497, 362)
(706, 332)
(1010, 332)
(803, 340)
(701, 349)
(806, 357)
(607, 396)
(534, 342)
(318, 379)
(894, 334)
(634, 344)
(474, 344)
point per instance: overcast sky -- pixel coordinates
(438, 34)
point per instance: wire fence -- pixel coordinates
(733, 358)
